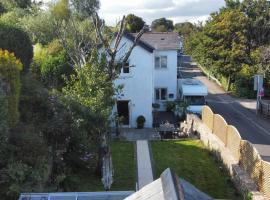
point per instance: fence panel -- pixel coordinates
(208, 117)
(251, 162)
(233, 141)
(266, 179)
(220, 128)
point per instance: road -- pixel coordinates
(239, 113)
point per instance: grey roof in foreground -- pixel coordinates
(161, 40)
(76, 196)
(168, 187)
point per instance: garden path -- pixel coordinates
(144, 167)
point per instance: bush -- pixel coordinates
(3, 116)
(140, 121)
(16, 41)
(170, 106)
(10, 68)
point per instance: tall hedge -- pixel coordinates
(10, 68)
(17, 41)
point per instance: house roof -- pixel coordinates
(161, 40)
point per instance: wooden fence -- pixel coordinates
(243, 151)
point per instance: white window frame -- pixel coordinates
(159, 94)
(159, 66)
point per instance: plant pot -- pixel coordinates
(140, 126)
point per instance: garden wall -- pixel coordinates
(249, 172)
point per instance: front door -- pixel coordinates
(123, 111)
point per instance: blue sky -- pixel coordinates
(176, 10)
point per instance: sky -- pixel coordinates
(177, 10)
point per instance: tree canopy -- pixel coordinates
(162, 25)
(134, 23)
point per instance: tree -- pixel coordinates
(162, 25)
(10, 68)
(17, 41)
(226, 43)
(258, 14)
(134, 23)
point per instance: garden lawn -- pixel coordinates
(192, 162)
(123, 158)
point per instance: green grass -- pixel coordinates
(192, 162)
(123, 158)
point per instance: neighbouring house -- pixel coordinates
(149, 77)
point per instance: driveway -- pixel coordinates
(238, 112)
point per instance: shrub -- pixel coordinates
(10, 68)
(140, 121)
(16, 41)
(170, 106)
(3, 115)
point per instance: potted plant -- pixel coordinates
(140, 121)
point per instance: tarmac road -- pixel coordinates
(251, 127)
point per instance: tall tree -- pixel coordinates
(162, 25)
(226, 42)
(134, 23)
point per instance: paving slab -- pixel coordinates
(144, 167)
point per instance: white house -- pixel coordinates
(149, 77)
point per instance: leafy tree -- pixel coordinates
(85, 7)
(10, 68)
(17, 41)
(258, 14)
(134, 23)
(2, 8)
(226, 42)
(162, 25)
(39, 27)
(184, 29)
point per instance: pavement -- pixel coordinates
(133, 134)
(238, 112)
(144, 166)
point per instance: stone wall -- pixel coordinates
(226, 147)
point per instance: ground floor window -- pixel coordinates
(161, 93)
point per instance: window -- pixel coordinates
(195, 100)
(161, 94)
(126, 68)
(161, 62)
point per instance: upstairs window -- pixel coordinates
(126, 68)
(161, 94)
(161, 62)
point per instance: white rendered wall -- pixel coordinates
(166, 77)
(138, 84)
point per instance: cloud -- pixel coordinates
(177, 10)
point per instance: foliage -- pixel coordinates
(162, 25)
(184, 29)
(91, 87)
(50, 64)
(39, 27)
(134, 23)
(17, 41)
(10, 68)
(85, 8)
(3, 116)
(13, 17)
(140, 120)
(192, 162)
(170, 106)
